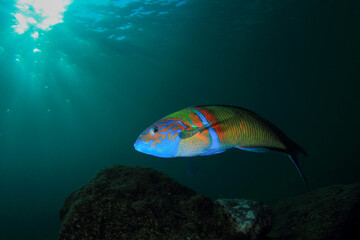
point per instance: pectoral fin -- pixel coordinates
(191, 132)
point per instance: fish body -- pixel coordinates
(208, 130)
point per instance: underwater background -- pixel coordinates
(81, 79)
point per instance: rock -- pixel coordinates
(249, 219)
(135, 203)
(327, 214)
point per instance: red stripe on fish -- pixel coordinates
(214, 123)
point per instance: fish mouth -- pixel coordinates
(137, 145)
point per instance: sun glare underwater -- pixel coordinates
(38, 14)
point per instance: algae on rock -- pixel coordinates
(134, 203)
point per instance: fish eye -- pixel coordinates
(155, 129)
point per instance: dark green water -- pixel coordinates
(78, 103)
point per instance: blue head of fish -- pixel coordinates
(160, 140)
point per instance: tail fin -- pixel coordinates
(296, 157)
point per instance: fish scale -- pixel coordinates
(237, 127)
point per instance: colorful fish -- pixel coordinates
(208, 130)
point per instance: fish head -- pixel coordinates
(161, 139)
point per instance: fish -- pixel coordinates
(213, 129)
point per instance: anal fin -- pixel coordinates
(213, 151)
(253, 149)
